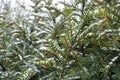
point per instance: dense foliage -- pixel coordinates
(78, 42)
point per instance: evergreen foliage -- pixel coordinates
(79, 42)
